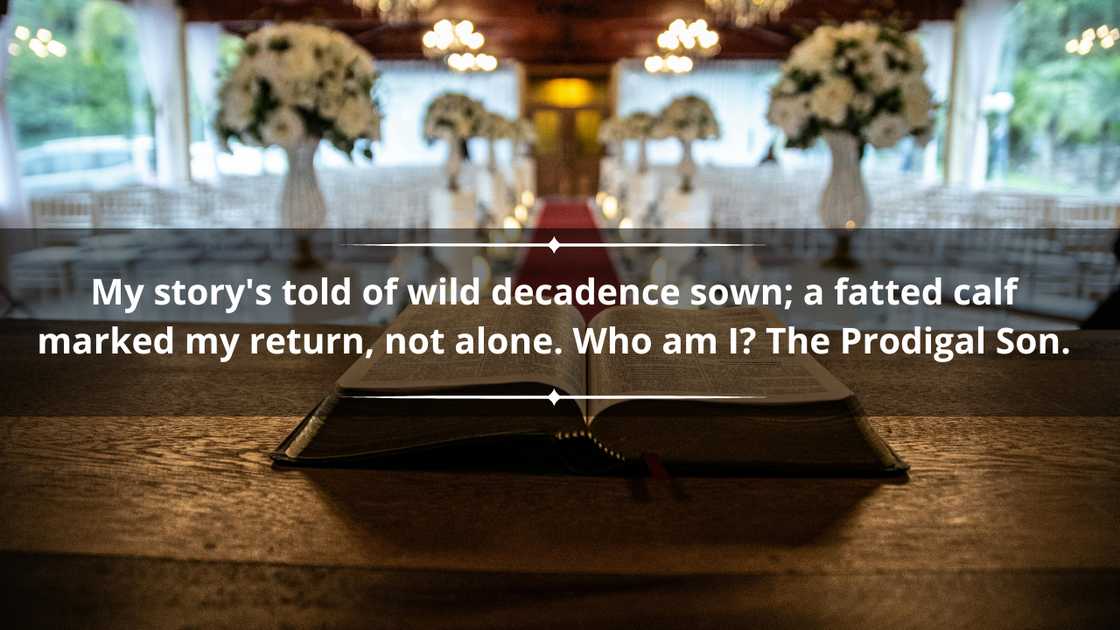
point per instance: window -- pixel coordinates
(404, 91)
(76, 96)
(738, 91)
(1054, 117)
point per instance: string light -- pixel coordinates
(43, 45)
(1103, 35)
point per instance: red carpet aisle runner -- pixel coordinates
(570, 222)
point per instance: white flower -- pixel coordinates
(237, 108)
(815, 54)
(862, 103)
(916, 102)
(304, 67)
(790, 114)
(886, 130)
(831, 98)
(452, 115)
(283, 128)
(639, 125)
(353, 118)
(687, 118)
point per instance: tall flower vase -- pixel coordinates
(844, 203)
(301, 204)
(454, 162)
(491, 155)
(687, 167)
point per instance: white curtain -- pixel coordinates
(14, 211)
(983, 26)
(203, 61)
(937, 43)
(738, 91)
(159, 29)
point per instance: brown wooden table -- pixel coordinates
(158, 506)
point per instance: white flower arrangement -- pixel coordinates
(861, 78)
(454, 116)
(296, 82)
(687, 118)
(524, 131)
(611, 131)
(497, 127)
(638, 126)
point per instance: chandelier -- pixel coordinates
(395, 11)
(458, 44)
(1103, 36)
(747, 13)
(679, 44)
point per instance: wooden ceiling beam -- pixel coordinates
(564, 31)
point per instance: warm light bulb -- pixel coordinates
(709, 39)
(511, 225)
(464, 29)
(1102, 31)
(22, 32)
(1071, 46)
(488, 63)
(610, 208)
(443, 26)
(429, 39)
(521, 213)
(56, 48)
(626, 224)
(1107, 41)
(654, 63)
(527, 197)
(1088, 34)
(43, 35)
(678, 26)
(38, 48)
(13, 49)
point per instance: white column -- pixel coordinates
(937, 43)
(203, 60)
(982, 26)
(14, 209)
(159, 27)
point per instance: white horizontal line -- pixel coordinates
(553, 397)
(556, 246)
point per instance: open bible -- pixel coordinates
(718, 410)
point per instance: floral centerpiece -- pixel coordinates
(687, 118)
(496, 127)
(853, 84)
(524, 135)
(454, 117)
(640, 126)
(294, 85)
(611, 135)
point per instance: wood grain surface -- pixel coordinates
(137, 518)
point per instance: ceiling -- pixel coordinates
(564, 31)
